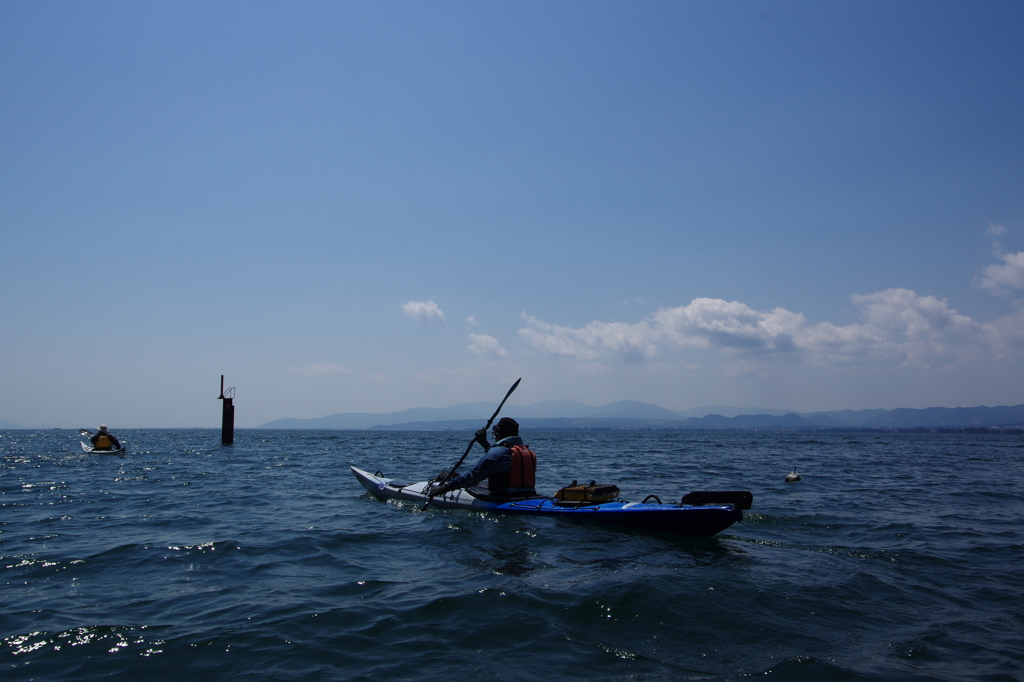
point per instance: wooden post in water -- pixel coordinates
(227, 422)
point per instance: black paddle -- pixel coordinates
(470, 446)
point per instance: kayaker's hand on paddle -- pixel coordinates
(481, 437)
(434, 489)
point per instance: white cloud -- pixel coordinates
(322, 368)
(921, 330)
(563, 341)
(898, 327)
(471, 322)
(998, 278)
(423, 311)
(996, 230)
(712, 322)
(1006, 334)
(631, 342)
(482, 344)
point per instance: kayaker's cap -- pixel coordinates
(506, 427)
(103, 427)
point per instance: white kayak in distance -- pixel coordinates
(90, 449)
(699, 514)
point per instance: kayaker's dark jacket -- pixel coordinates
(104, 440)
(494, 466)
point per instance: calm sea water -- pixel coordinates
(897, 557)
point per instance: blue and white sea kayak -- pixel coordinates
(704, 518)
(88, 448)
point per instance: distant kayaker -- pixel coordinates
(509, 466)
(105, 440)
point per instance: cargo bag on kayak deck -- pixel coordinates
(575, 494)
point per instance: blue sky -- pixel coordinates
(367, 207)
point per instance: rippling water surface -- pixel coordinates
(897, 557)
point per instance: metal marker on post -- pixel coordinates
(227, 421)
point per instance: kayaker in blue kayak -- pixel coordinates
(104, 440)
(509, 466)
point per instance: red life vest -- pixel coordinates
(524, 467)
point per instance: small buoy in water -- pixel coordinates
(793, 476)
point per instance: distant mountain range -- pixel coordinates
(631, 414)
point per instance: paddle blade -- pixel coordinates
(514, 387)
